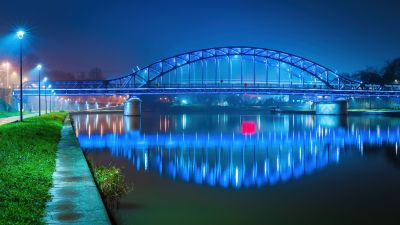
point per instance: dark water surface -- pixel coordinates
(250, 169)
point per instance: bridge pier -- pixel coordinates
(336, 107)
(133, 106)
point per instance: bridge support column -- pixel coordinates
(133, 106)
(337, 107)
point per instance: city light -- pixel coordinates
(20, 34)
(6, 64)
(39, 66)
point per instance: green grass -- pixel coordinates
(27, 162)
(8, 114)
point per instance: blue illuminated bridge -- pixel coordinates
(224, 70)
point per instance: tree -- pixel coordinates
(391, 72)
(369, 76)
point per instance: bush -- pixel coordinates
(111, 183)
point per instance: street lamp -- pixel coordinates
(51, 94)
(39, 68)
(45, 95)
(45, 99)
(20, 34)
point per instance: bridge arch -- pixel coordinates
(236, 66)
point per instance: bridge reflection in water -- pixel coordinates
(232, 150)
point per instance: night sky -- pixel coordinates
(116, 36)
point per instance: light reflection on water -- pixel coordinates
(231, 150)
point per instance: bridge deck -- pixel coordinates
(213, 89)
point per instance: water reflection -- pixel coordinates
(233, 150)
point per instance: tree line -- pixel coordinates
(389, 74)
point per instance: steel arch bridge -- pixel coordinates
(154, 73)
(223, 70)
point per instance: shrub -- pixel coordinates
(111, 183)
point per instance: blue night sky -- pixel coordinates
(117, 35)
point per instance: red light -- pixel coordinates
(248, 127)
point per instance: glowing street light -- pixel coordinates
(45, 93)
(39, 68)
(20, 34)
(45, 98)
(52, 93)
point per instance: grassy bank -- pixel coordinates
(8, 114)
(27, 162)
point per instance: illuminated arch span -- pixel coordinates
(150, 75)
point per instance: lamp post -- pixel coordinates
(45, 95)
(45, 99)
(39, 68)
(20, 35)
(51, 94)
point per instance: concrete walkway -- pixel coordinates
(15, 118)
(75, 198)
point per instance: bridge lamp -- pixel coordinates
(20, 35)
(39, 68)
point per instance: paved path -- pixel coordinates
(75, 198)
(15, 118)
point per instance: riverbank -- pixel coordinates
(75, 198)
(27, 159)
(9, 114)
